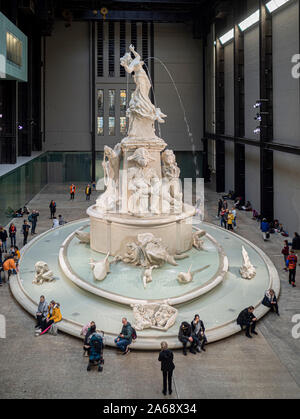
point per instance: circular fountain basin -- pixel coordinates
(124, 283)
(218, 308)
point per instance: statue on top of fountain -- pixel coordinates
(141, 112)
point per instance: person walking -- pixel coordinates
(285, 251)
(72, 191)
(292, 264)
(33, 220)
(12, 234)
(25, 230)
(52, 207)
(3, 238)
(88, 191)
(167, 367)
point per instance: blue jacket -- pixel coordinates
(264, 226)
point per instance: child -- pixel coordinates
(285, 251)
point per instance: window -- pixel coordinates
(111, 111)
(123, 97)
(13, 49)
(100, 112)
(111, 125)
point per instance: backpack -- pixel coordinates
(133, 333)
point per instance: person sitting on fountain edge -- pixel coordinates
(185, 336)
(125, 337)
(247, 318)
(198, 330)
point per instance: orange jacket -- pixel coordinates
(9, 264)
(72, 189)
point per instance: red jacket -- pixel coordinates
(292, 259)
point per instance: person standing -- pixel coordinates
(230, 219)
(88, 191)
(247, 318)
(285, 251)
(25, 229)
(52, 207)
(167, 367)
(223, 218)
(265, 228)
(12, 234)
(220, 206)
(233, 211)
(72, 191)
(296, 244)
(33, 220)
(3, 238)
(292, 264)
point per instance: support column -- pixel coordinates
(239, 112)
(266, 109)
(220, 119)
(93, 98)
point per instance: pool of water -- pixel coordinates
(126, 280)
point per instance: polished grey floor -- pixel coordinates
(267, 366)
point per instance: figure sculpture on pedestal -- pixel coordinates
(141, 112)
(247, 270)
(143, 183)
(171, 187)
(111, 167)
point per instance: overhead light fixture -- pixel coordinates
(257, 130)
(250, 21)
(275, 4)
(258, 117)
(228, 36)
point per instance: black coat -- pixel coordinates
(245, 317)
(185, 330)
(3, 235)
(267, 302)
(296, 243)
(166, 359)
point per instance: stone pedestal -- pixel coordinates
(111, 232)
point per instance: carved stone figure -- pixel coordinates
(143, 183)
(141, 112)
(197, 242)
(154, 316)
(247, 270)
(42, 273)
(111, 167)
(100, 269)
(83, 236)
(147, 275)
(171, 187)
(148, 251)
(187, 277)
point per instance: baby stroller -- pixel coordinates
(96, 351)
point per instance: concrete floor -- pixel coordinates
(268, 366)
